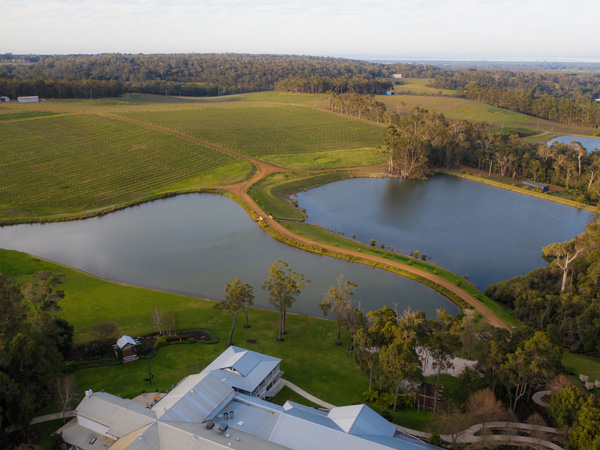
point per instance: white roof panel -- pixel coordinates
(124, 340)
(195, 399)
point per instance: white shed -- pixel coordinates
(30, 99)
(4, 99)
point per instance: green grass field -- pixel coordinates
(71, 163)
(260, 130)
(460, 108)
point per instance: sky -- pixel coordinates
(528, 30)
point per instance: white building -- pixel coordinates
(204, 412)
(30, 99)
(4, 99)
(246, 371)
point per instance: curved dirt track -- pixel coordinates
(264, 169)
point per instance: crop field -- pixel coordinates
(460, 108)
(73, 163)
(261, 130)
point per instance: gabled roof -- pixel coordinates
(125, 340)
(242, 369)
(360, 419)
(195, 399)
(119, 415)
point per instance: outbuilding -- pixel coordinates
(29, 99)
(4, 99)
(535, 185)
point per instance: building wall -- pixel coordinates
(28, 99)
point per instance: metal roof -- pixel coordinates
(195, 399)
(191, 436)
(79, 436)
(120, 415)
(124, 340)
(242, 369)
(360, 419)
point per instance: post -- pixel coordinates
(149, 372)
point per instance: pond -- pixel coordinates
(488, 233)
(589, 143)
(195, 244)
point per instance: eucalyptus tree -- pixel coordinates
(338, 301)
(238, 297)
(284, 287)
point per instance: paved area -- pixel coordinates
(537, 398)
(149, 398)
(306, 395)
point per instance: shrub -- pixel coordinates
(162, 341)
(436, 439)
(191, 341)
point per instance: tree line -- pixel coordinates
(340, 85)
(67, 76)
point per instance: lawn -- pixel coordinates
(310, 357)
(581, 364)
(73, 163)
(369, 156)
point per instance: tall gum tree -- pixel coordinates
(284, 287)
(238, 297)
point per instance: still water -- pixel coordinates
(195, 244)
(588, 143)
(488, 233)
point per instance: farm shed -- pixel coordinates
(397, 75)
(4, 99)
(535, 185)
(30, 99)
